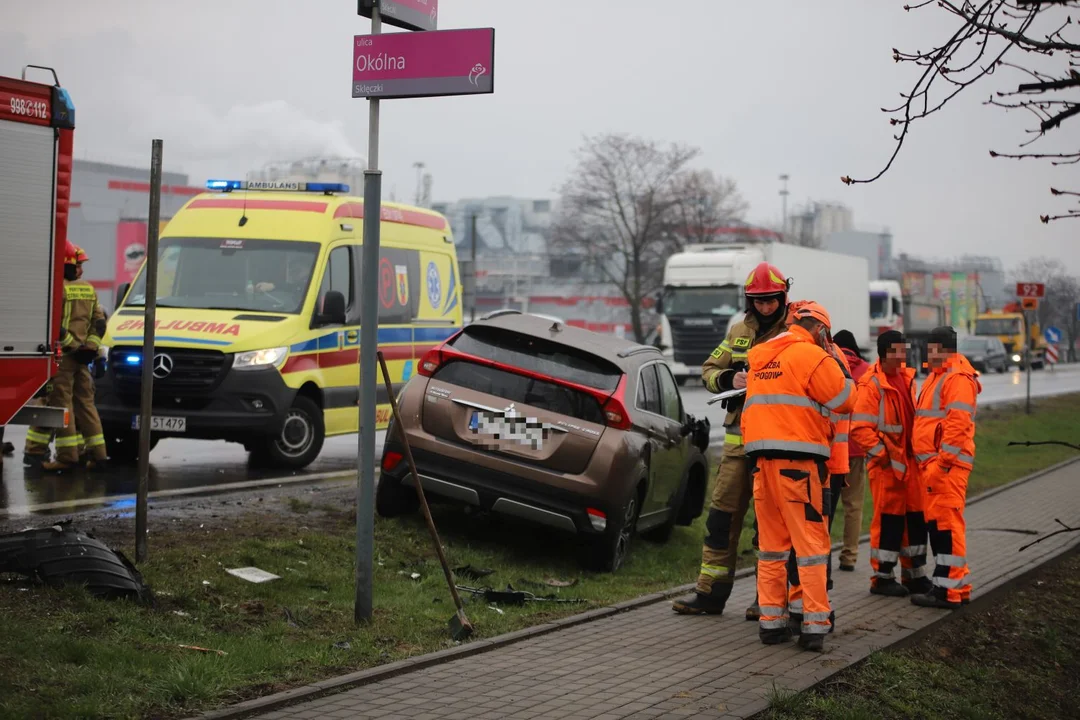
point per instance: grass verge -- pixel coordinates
(1020, 659)
(65, 655)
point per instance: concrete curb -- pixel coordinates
(363, 677)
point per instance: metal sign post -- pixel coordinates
(428, 63)
(1028, 318)
(369, 346)
(147, 366)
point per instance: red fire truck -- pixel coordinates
(37, 124)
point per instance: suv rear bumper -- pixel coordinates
(494, 491)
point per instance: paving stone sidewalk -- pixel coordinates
(652, 663)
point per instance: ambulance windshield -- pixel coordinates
(227, 274)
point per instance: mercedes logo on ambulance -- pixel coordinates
(163, 366)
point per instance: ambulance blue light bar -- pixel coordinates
(277, 185)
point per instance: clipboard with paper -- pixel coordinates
(726, 395)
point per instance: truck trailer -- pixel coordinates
(703, 295)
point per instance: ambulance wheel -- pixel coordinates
(300, 440)
(122, 446)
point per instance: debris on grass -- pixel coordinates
(252, 574)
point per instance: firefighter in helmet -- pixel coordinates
(81, 329)
(766, 291)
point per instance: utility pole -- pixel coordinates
(783, 204)
(419, 182)
(472, 241)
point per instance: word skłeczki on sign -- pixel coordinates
(427, 64)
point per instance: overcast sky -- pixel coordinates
(763, 88)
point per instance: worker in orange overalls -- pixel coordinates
(793, 386)
(838, 467)
(944, 444)
(882, 425)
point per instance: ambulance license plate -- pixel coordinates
(162, 423)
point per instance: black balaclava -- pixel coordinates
(768, 321)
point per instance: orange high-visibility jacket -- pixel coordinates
(792, 389)
(945, 415)
(877, 423)
(839, 462)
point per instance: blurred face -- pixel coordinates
(766, 306)
(937, 355)
(895, 357)
(78, 271)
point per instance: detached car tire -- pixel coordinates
(300, 440)
(608, 552)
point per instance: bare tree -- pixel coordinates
(1062, 295)
(704, 203)
(617, 208)
(1044, 39)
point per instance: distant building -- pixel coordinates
(812, 223)
(348, 170)
(876, 247)
(109, 209)
(966, 285)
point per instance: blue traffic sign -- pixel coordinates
(1052, 335)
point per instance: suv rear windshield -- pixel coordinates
(539, 355)
(523, 390)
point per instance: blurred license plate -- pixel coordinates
(515, 428)
(162, 423)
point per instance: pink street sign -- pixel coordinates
(425, 64)
(409, 14)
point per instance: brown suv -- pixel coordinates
(583, 432)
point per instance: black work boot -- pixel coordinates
(936, 598)
(815, 642)
(8, 449)
(32, 460)
(775, 636)
(888, 588)
(794, 623)
(701, 604)
(919, 586)
(753, 613)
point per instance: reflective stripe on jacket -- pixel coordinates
(877, 423)
(792, 389)
(80, 315)
(945, 415)
(718, 370)
(839, 463)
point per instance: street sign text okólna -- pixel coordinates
(424, 64)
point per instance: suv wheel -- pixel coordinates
(300, 440)
(608, 552)
(393, 498)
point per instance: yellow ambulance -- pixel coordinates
(258, 311)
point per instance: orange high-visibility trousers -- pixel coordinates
(898, 527)
(913, 545)
(788, 503)
(946, 498)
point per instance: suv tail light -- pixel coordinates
(391, 460)
(615, 409)
(430, 362)
(597, 519)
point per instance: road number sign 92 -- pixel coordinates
(29, 108)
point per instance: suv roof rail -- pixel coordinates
(637, 349)
(499, 313)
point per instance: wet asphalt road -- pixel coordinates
(180, 467)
